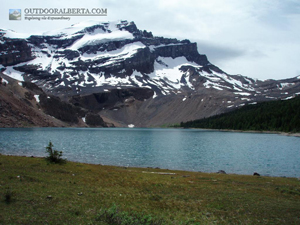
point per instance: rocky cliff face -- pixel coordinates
(14, 51)
(129, 76)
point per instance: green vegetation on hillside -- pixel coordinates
(280, 115)
(33, 191)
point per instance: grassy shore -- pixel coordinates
(34, 192)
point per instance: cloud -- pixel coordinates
(218, 53)
(252, 37)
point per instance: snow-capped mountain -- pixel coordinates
(117, 59)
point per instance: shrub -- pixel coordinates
(54, 155)
(8, 196)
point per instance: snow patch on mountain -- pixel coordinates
(100, 37)
(284, 85)
(81, 27)
(11, 72)
(124, 52)
(242, 93)
(168, 69)
(37, 98)
(12, 34)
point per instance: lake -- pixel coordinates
(178, 149)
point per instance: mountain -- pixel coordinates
(128, 76)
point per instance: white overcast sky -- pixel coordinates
(255, 38)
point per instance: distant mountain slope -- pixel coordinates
(268, 116)
(129, 76)
(23, 104)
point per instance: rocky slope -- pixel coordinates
(23, 104)
(128, 76)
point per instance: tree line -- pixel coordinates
(279, 115)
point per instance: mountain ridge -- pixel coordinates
(105, 66)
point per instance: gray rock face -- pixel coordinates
(61, 110)
(94, 120)
(14, 51)
(113, 99)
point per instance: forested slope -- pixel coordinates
(280, 115)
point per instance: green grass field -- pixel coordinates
(34, 192)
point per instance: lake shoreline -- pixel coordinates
(209, 129)
(166, 170)
(249, 131)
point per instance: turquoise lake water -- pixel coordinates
(179, 149)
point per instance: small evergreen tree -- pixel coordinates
(54, 155)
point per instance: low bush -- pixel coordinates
(54, 155)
